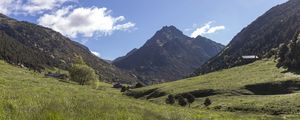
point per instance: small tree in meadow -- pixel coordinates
(207, 102)
(190, 98)
(82, 73)
(170, 100)
(182, 101)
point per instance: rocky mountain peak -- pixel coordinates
(169, 55)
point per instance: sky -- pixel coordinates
(111, 28)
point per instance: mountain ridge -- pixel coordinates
(38, 47)
(277, 26)
(168, 55)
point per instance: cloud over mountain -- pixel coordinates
(66, 17)
(96, 53)
(84, 21)
(206, 29)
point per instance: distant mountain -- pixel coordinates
(262, 37)
(123, 57)
(169, 55)
(37, 47)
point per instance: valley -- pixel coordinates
(70, 60)
(29, 95)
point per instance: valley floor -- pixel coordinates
(25, 95)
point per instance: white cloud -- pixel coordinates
(8, 6)
(30, 6)
(36, 6)
(96, 53)
(84, 21)
(125, 26)
(215, 29)
(4, 6)
(207, 29)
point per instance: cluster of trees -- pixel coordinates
(83, 74)
(288, 54)
(127, 88)
(185, 99)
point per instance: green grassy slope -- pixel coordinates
(28, 95)
(259, 87)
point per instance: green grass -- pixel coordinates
(228, 79)
(26, 95)
(229, 84)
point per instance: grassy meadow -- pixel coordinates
(259, 87)
(26, 95)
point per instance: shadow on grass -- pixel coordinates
(274, 88)
(291, 70)
(148, 94)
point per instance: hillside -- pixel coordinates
(259, 87)
(169, 55)
(278, 25)
(36, 47)
(26, 95)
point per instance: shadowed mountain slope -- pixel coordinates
(37, 47)
(278, 25)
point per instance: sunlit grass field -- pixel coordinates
(230, 93)
(26, 95)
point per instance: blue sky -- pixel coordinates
(114, 27)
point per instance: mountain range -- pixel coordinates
(169, 55)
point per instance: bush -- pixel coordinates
(124, 89)
(117, 85)
(83, 74)
(190, 98)
(207, 102)
(283, 51)
(170, 99)
(182, 101)
(139, 85)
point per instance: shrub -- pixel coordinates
(207, 102)
(139, 85)
(82, 73)
(170, 99)
(117, 85)
(124, 89)
(182, 101)
(190, 98)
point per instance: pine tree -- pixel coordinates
(207, 102)
(190, 98)
(182, 101)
